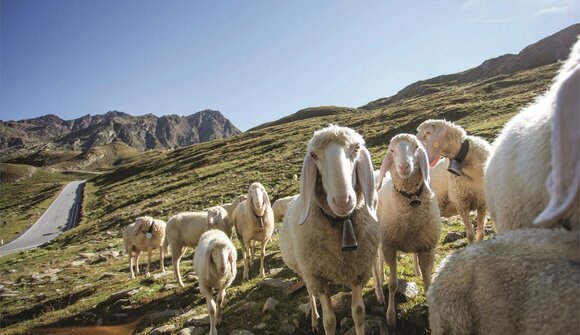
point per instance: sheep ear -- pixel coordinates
(138, 224)
(232, 262)
(307, 185)
(564, 180)
(212, 217)
(424, 166)
(366, 178)
(385, 166)
(266, 199)
(435, 145)
(208, 256)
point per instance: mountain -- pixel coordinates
(140, 132)
(546, 51)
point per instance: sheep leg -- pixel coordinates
(221, 298)
(378, 278)
(211, 308)
(161, 259)
(313, 314)
(464, 213)
(130, 253)
(176, 254)
(426, 260)
(391, 259)
(246, 250)
(358, 309)
(416, 265)
(148, 262)
(262, 256)
(480, 223)
(252, 252)
(138, 253)
(328, 315)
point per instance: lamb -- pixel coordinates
(281, 205)
(254, 221)
(215, 264)
(184, 230)
(408, 212)
(467, 156)
(145, 233)
(514, 178)
(330, 234)
(530, 275)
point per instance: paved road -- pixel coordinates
(59, 217)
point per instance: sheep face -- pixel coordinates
(341, 162)
(258, 199)
(143, 224)
(215, 218)
(407, 154)
(441, 138)
(222, 258)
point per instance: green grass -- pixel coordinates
(211, 173)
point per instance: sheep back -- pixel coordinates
(186, 228)
(521, 282)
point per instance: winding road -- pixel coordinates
(60, 216)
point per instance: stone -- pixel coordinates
(277, 283)
(124, 294)
(346, 323)
(296, 323)
(408, 289)
(287, 328)
(51, 272)
(241, 332)
(12, 270)
(78, 263)
(270, 305)
(341, 302)
(305, 309)
(276, 271)
(191, 276)
(165, 329)
(247, 306)
(198, 320)
(120, 316)
(161, 316)
(169, 287)
(453, 236)
(260, 326)
(107, 275)
(87, 255)
(192, 331)
(372, 327)
(160, 275)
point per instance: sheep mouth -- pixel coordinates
(434, 161)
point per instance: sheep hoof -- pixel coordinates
(148, 274)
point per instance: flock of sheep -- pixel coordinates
(349, 219)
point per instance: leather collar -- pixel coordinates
(462, 152)
(413, 197)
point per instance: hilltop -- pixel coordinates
(85, 289)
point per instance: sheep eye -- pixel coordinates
(313, 155)
(427, 133)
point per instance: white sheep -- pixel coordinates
(231, 207)
(525, 281)
(254, 221)
(467, 155)
(330, 234)
(215, 264)
(184, 230)
(516, 173)
(145, 233)
(408, 212)
(281, 205)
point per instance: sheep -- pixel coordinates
(145, 233)
(254, 221)
(530, 275)
(516, 172)
(408, 212)
(184, 230)
(281, 205)
(215, 264)
(330, 234)
(467, 156)
(232, 206)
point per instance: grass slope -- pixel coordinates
(212, 173)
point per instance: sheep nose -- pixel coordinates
(341, 201)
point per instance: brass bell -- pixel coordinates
(348, 238)
(261, 222)
(455, 167)
(414, 202)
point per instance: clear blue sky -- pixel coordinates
(255, 61)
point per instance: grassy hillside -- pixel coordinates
(213, 173)
(27, 192)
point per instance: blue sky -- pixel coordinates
(255, 61)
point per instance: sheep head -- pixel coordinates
(258, 199)
(220, 255)
(142, 224)
(407, 154)
(215, 217)
(440, 138)
(338, 156)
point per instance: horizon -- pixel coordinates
(73, 58)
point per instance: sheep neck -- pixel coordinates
(412, 184)
(456, 163)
